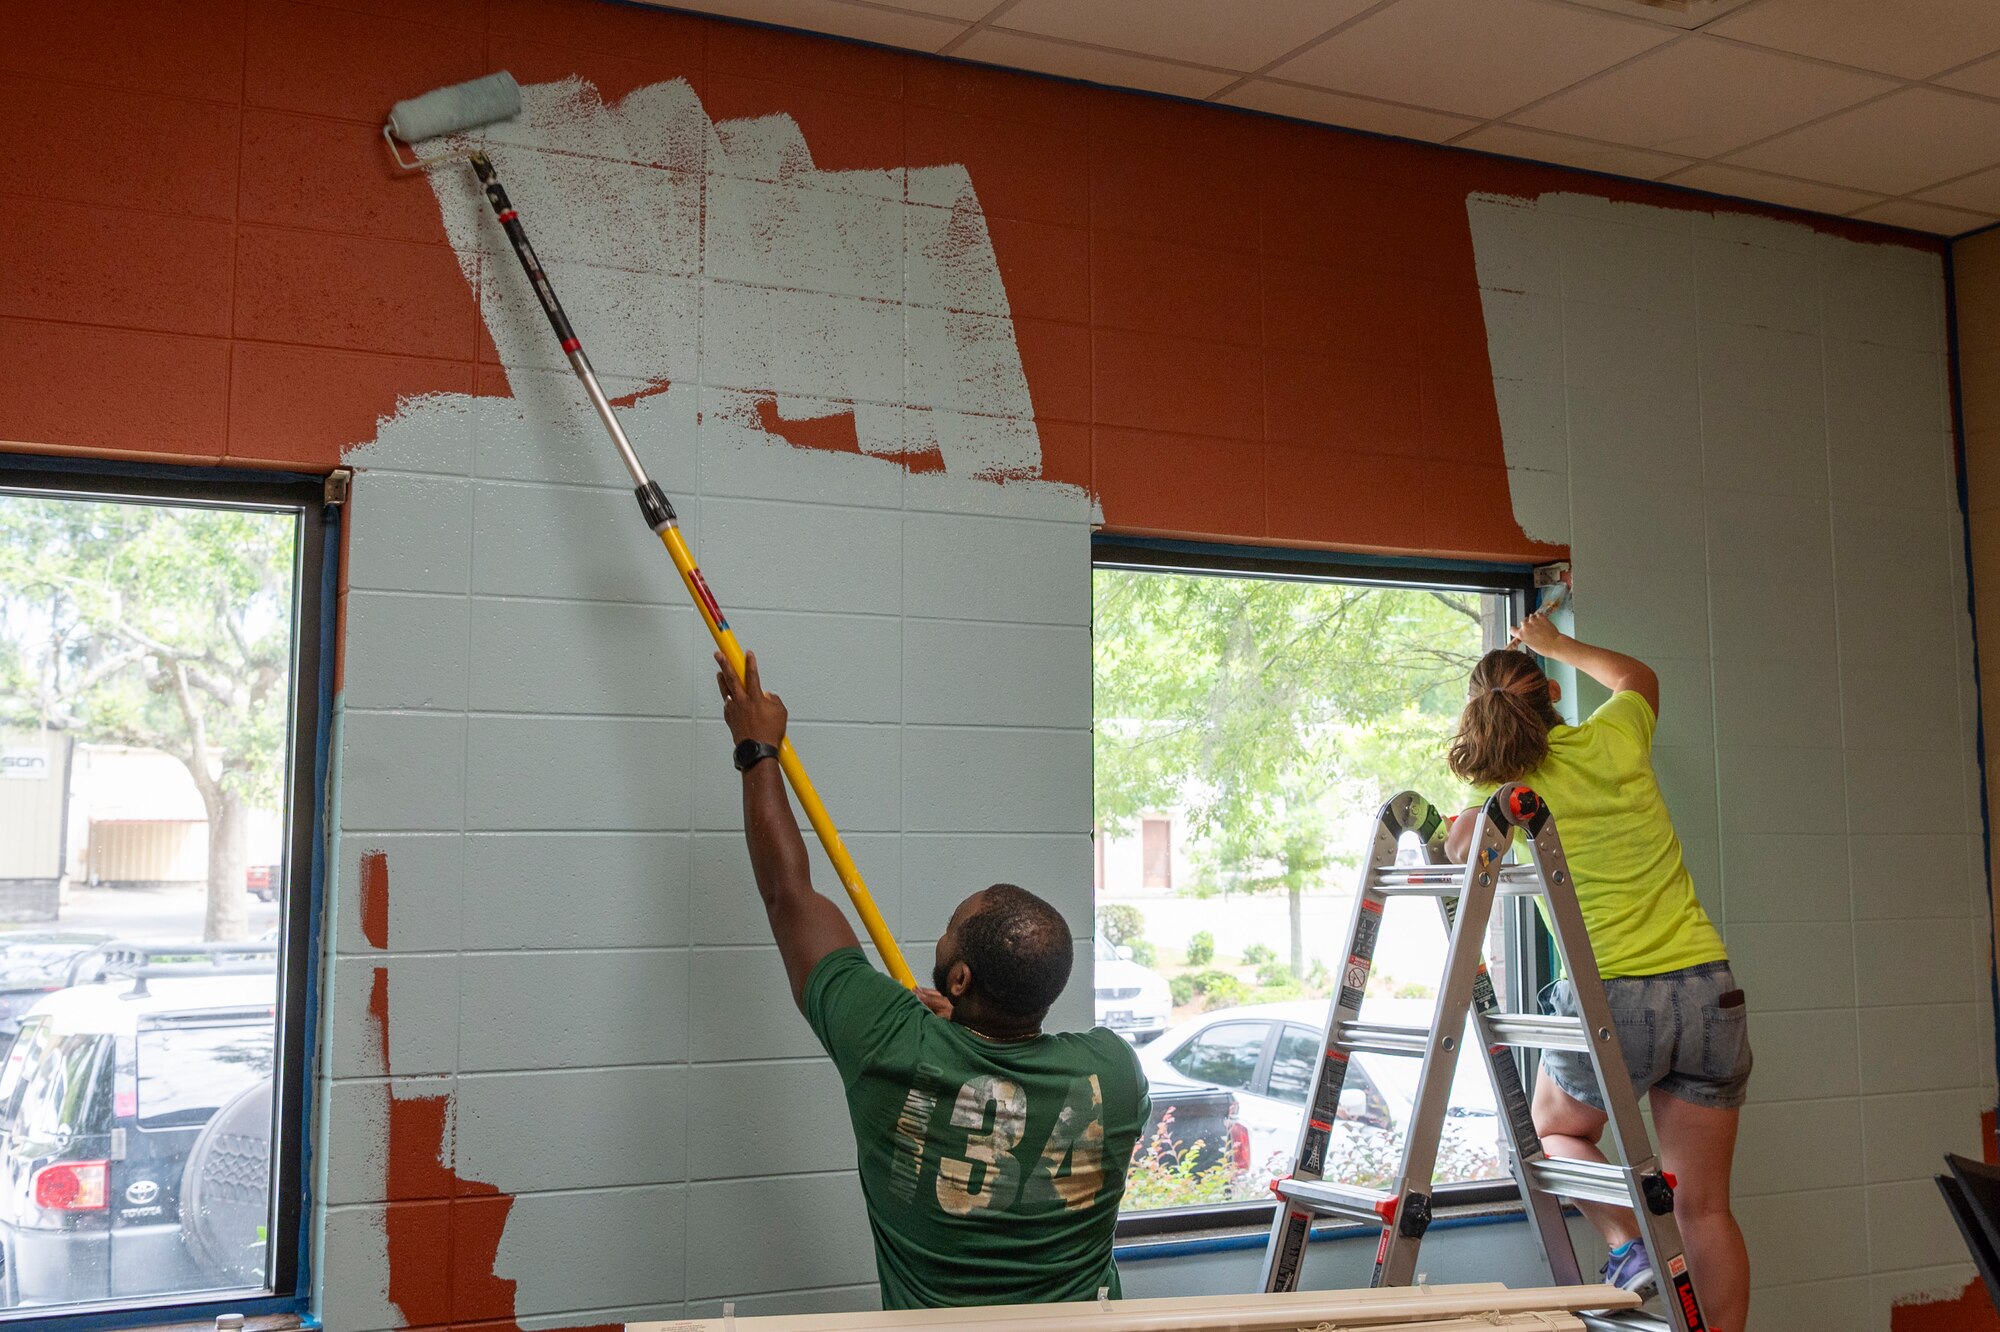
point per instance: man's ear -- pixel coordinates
(958, 979)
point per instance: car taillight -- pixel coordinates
(1239, 1147)
(74, 1186)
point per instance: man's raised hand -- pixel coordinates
(752, 714)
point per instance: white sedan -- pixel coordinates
(1132, 1000)
(1266, 1053)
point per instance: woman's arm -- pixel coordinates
(1614, 670)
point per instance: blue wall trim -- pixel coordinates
(1189, 1248)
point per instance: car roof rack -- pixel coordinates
(146, 961)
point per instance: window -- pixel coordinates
(1226, 1054)
(1252, 715)
(1156, 841)
(161, 688)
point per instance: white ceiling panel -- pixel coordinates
(1982, 77)
(1289, 99)
(1911, 38)
(1835, 106)
(1906, 141)
(1742, 184)
(1540, 146)
(1979, 192)
(1700, 97)
(1203, 32)
(1470, 57)
(1920, 216)
(868, 23)
(1088, 62)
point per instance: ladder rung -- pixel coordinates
(1586, 1181)
(1334, 1199)
(1383, 1038)
(1448, 880)
(1537, 1031)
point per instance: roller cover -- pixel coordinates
(462, 106)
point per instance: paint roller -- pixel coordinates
(469, 106)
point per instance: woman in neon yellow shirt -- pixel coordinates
(1679, 1012)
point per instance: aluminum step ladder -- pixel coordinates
(1465, 895)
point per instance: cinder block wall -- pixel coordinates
(1742, 429)
(894, 333)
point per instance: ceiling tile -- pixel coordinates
(1904, 142)
(1083, 62)
(1913, 38)
(1700, 97)
(1242, 37)
(1741, 184)
(1926, 217)
(1474, 57)
(913, 32)
(1287, 99)
(1979, 192)
(1982, 77)
(1514, 141)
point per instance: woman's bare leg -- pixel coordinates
(1570, 1130)
(1697, 1145)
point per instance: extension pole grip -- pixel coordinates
(660, 516)
(794, 767)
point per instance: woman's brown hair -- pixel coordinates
(1503, 734)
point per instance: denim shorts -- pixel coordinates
(1684, 1032)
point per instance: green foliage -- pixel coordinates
(1164, 1174)
(1181, 989)
(1276, 973)
(1144, 953)
(1201, 949)
(1415, 990)
(1275, 716)
(1121, 923)
(1256, 955)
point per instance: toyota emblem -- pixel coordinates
(141, 1191)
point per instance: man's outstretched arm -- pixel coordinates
(806, 925)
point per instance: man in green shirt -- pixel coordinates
(992, 1154)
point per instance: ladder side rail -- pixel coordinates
(1628, 1130)
(1396, 1256)
(1291, 1227)
(1518, 1135)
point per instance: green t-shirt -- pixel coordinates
(1637, 897)
(992, 1170)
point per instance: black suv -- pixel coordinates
(135, 1128)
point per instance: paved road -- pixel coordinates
(151, 915)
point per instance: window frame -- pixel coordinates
(318, 508)
(1524, 938)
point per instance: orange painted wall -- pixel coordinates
(1231, 326)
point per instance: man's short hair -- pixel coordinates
(1019, 950)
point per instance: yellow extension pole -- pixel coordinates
(659, 515)
(795, 770)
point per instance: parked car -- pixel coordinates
(1192, 1113)
(1265, 1055)
(262, 882)
(116, 1177)
(35, 964)
(1132, 1000)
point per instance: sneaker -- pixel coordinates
(1631, 1268)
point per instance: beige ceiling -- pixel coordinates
(1880, 109)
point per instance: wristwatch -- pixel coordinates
(752, 752)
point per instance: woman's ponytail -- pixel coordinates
(1503, 734)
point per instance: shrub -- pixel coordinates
(1256, 955)
(1163, 1173)
(1201, 949)
(1221, 990)
(1144, 953)
(1275, 972)
(1181, 988)
(1414, 990)
(1122, 924)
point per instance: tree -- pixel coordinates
(161, 627)
(1274, 715)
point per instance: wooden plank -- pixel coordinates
(1427, 1307)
